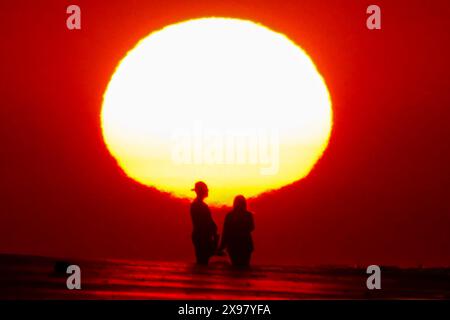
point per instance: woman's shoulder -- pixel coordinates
(233, 213)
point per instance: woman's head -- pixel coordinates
(240, 204)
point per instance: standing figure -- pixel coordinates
(204, 234)
(236, 236)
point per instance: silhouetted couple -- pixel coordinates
(236, 235)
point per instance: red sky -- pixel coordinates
(379, 195)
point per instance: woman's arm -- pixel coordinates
(252, 222)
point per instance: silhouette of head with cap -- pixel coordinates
(201, 189)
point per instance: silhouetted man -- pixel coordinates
(236, 235)
(204, 234)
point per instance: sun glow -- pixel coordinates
(226, 101)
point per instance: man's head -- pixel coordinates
(201, 189)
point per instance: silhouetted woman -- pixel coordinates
(236, 235)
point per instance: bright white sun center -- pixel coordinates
(226, 101)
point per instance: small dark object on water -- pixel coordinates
(60, 267)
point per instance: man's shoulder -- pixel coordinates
(198, 205)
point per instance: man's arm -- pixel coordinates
(224, 240)
(212, 224)
(194, 216)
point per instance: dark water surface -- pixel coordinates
(27, 277)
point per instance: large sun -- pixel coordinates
(222, 100)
